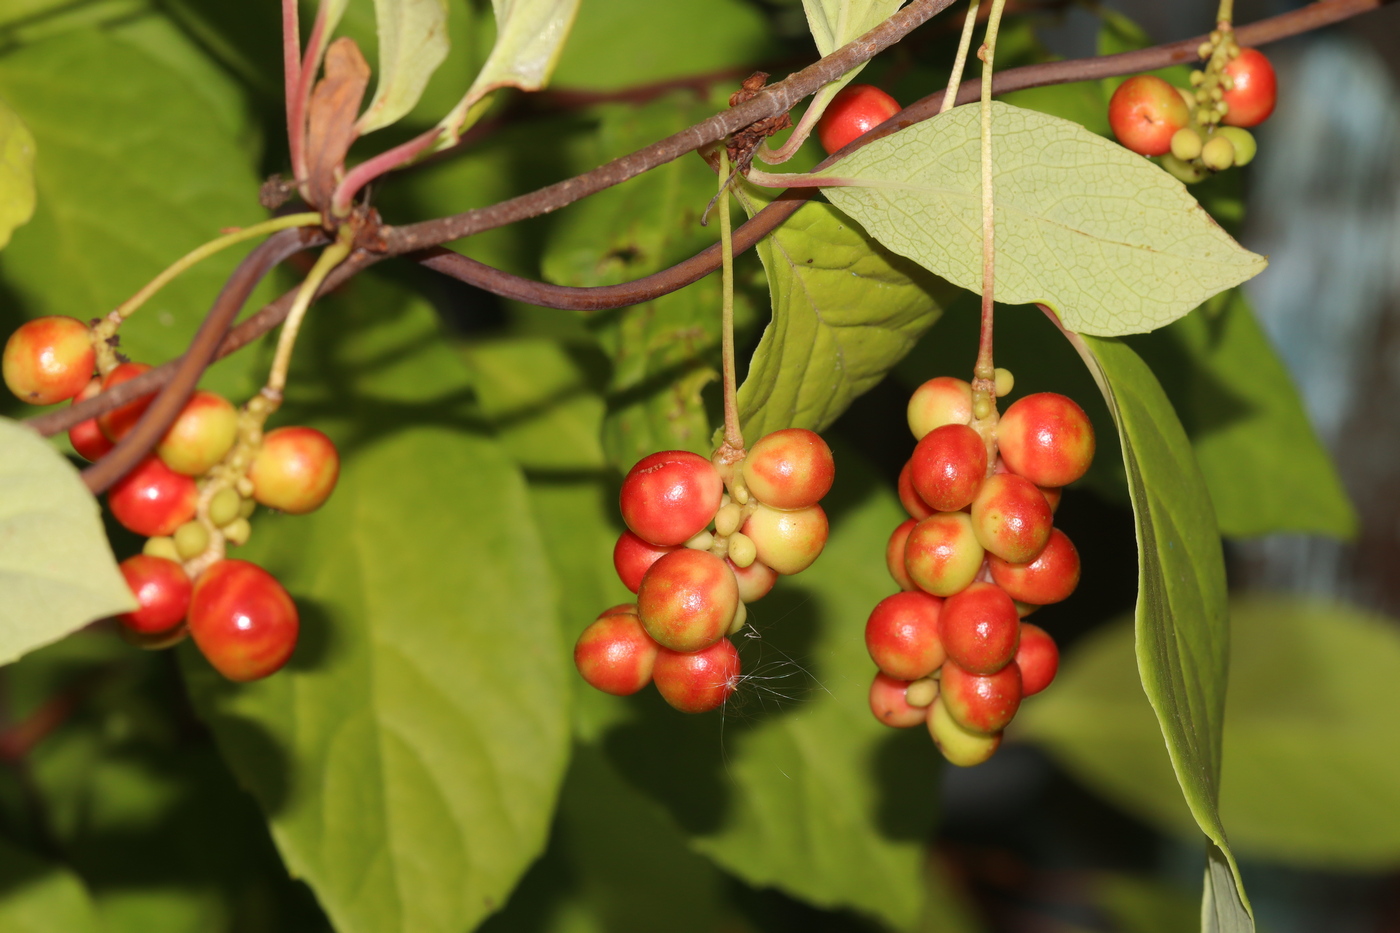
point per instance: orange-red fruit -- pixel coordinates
(787, 541)
(48, 359)
(1046, 438)
(755, 580)
(980, 628)
(152, 499)
(242, 620)
(669, 497)
(854, 111)
(939, 401)
(981, 702)
(295, 471)
(687, 599)
(85, 436)
(1011, 517)
(1145, 112)
(118, 422)
(888, 704)
(1037, 657)
(894, 555)
(947, 466)
(1255, 89)
(615, 654)
(902, 635)
(1050, 578)
(698, 681)
(909, 498)
(202, 433)
(633, 557)
(162, 592)
(789, 469)
(942, 555)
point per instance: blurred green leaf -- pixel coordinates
(16, 173)
(56, 568)
(1143, 905)
(845, 310)
(1182, 635)
(412, 43)
(37, 896)
(409, 757)
(1118, 33)
(1109, 241)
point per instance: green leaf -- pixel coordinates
(16, 173)
(56, 569)
(1118, 34)
(845, 310)
(1305, 780)
(1265, 467)
(37, 896)
(1109, 241)
(409, 757)
(1181, 628)
(412, 43)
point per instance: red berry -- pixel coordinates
(118, 422)
(1251, 99)
(942, 554)
(755, 580)
(633, 557)
(981, 702)
(854, 111)
(789, 469)
(48, 359)
(153, 500)
(1046, 438)
(615, 654)
(1011, 517)
(894, 555)
(669, 497)
(947, 466)
(698, 681)
(1050, 578)
(888, 704)
(909, 497)
(295, 470)
(787, 541)
(980, 628)
(687, 599)
(162, 592)
(85, 436)
(1145, 112)
(902, 635)
(202, 433)
(1037, 657)
(942, 400)
(242, 620)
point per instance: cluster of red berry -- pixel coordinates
(696, 555)
(190, 499)
(1199, 131)
(979, 553)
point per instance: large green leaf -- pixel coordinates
(845, 310)
(16, 173)
(412, 43)
(1181, 630)
(37, 896)
(56, 568)
(409, 757)
(1108, 240)
(1266, 469)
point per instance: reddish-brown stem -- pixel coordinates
(296, 113)
(291, 78)
(370, 169)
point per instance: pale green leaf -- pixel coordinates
(16, 173)
(1110, 242)
(845, 310)
(412, 43)
(56, 568)
(37, 896)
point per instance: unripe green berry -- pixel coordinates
(247, 506)
(1005, 382)
(702, 541)
(741, 615)
(1186, 144)
(742, 550)
(224, 507)
(163, 546)
(191, 539)
(921, 692)
(1218, 153)
(728, 519)
(237, 532)
(1197, 77)
(1187, 172)
(1243, 141)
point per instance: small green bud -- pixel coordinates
(161, 547)
(742, 550)
(1186, 144)
(246, 507)
(1197, 77)
(701, 541)
(728, 519)
(1243, 141)
(1218, 153)
(224, 507)
(921, 692)
(981, 406)
(741, 615)
(1203, 50)
(1005, 382)
(191, 539)
(238, 532)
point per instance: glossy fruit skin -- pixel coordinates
(242, 619)
(981, 702)
(959, 745)
(1046, 438)
(153, 500)
(1038, 658)
(615, 654)
(162, 591)
(1145, 112)
(1255, 92)
(939, 401)
(788, 541)
(902, 635)
(755, 580)
(854, 111)
(942, 555)
(1050, 578)
(295, 470)
(894, 555)
(687, 599)
(633, 557)
(670, 496)
(202, 433)
(909, 497)
(49, 359)
(980, 628)
(118, 422)
(789, 469)
(888, 705)
(85, 436)
(1011, 518)
(947, 467)
(698, 681)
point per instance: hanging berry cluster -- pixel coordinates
(978, 553)
(190, 499)
(696, 555)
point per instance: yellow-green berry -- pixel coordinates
(1218, 153)
(224, 507)
(163, 546)
(1186, 144)
(1243, 141)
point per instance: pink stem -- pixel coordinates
(370, 169)
(296, 109)
(291, 76)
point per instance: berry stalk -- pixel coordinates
(984, 408)
(330, 257)
(733, 436)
